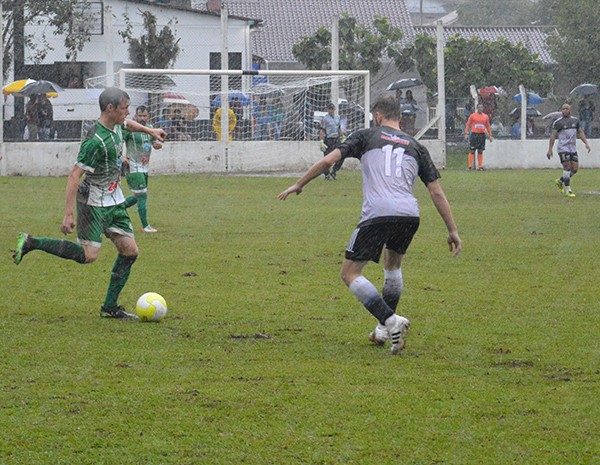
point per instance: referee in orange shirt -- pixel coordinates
(477, 127)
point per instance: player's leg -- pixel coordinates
(471, 155)
(480, 150)
(573, 168)
(120, 232)
(85, 250)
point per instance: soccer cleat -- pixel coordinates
(560, 185)
(117, 312)
(327, 177)
(397, 326)
(570, 193)
(379, 335)
(22, 247)
(481, 168)
(149, 229)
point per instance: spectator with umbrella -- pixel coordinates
(586, 115)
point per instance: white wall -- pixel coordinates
(56, 158)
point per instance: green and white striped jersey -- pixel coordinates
(139, 148)
(100, 158)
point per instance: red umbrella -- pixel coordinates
(484, 91)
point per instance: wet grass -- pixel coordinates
(263, 357)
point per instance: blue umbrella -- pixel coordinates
(532, 98)
(243, 98)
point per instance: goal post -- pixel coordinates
(257, 118)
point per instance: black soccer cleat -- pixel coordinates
(117, 312)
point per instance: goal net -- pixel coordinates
(260, 107)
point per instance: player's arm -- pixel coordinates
(581, 135)
(68, 224)
(443, 207)
(468, 125)
(314, 171)
(156, 133)
(553, 136)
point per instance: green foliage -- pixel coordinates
(482, 63)
(576, 47)
(360, 47)
(154, 49)
(61, 15)
(263, 358)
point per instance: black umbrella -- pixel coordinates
(585, 89)
(404, 83)
(40, 87)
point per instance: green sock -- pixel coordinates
(143, 208)
(118, 278)
(129, 201)
(59, 247)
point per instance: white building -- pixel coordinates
(200, 43)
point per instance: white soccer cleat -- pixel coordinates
(397, 327)
(379, 335)
(149, 229)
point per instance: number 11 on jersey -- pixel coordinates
(389, 150)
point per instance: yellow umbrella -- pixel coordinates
(16, 86)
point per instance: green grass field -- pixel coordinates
(263, 357)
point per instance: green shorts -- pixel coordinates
(138, 182)
(92, 222)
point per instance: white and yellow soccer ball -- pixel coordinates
(151, 307)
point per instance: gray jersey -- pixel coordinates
(331, 125)
(391, 161)
(567, 129)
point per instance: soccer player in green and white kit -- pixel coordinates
(139, 147)
(99, 199)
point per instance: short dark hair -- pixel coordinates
(141, 109)
(388, 107)
(112, 96)
(331, 105)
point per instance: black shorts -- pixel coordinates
(568, 156)
(367, 241)
(477, 141)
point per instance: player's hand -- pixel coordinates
(158, 134)
(290, 190)
(587, 146)
(157, 145)
(323, 146)
(454, 243)
(68, 224)
(549, 155)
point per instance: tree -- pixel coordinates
(481, 63)
(60, 15)
(576, 47)
(360, 47)
(156, 50)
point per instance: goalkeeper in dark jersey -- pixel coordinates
(391, 162)
(99, 201)
(139, 147)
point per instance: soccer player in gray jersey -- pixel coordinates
(391, 161)
(99, 201)
(567, 129)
